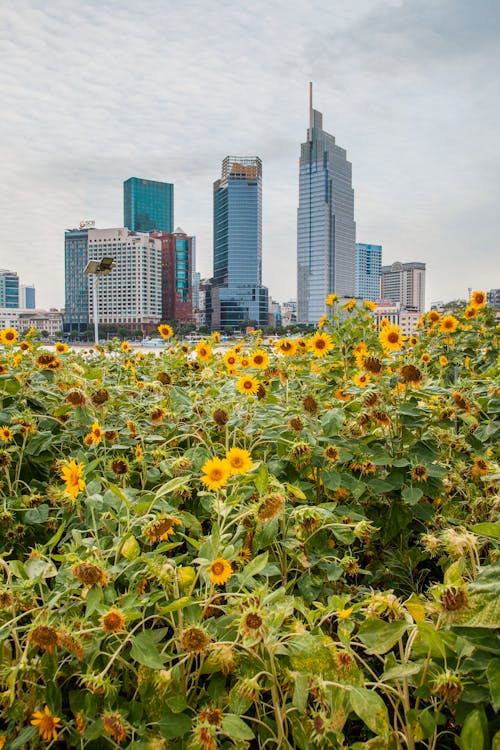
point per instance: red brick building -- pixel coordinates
(176, 275)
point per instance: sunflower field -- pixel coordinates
(290, 544)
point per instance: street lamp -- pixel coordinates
(96, 268)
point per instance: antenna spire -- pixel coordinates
(311, 118)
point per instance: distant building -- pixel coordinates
(493, 297)
(274, 314)
(404, 283)
(326, 232)
(76, 284)
(394, 312)
(289, 313)
(9, 289)
(148, 205)
(27, 297)
(368, 265)
(22, 320)
(176, 275)
(131, 294)
(237, 296)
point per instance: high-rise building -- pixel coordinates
(368, 265)
(131, 294)
(237, 295)
(493, 297)
(176, 275)
(9, 288)
(148, 205)
(27, 296)
(404, 283)
(326, 232)
(76, 305)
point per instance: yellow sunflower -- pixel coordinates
(231, 358)
(426, 358)
(443, 361)
(6, 434)
(248, 385)
(216, 472)
(60, 347)
(349, 305)
(330, 299)
(203, 351)
(8, 336)
(368, 304)
(391, 338)
(259, 360)
(220, 571)
(96, 432)
(477, 299)
(240, 460)
(470, 312)
(165, 331)
(361, 379)
(72, 474)
(47, 724)
(433, 316)
(286, 347)
(448, 324)
(125, 346)
(320, 344)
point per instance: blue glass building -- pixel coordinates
(368, 265)
(76, 314)
(148, 205)
(326, 232)
(9, 289)
(238, 297)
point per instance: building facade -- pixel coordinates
(237, 295)
(404, 283)
(131, 294)
(176, 275)
(493, 297)
(148, 205)
(9, 289)
(368, 265)
(27, 296)
(326, 232)
(76, 285)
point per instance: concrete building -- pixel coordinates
(493, 297)
(394, 312)
(326, 232)
(404, 283)
(237, 295)
(148, 205)
(131, 295)
(27, 296)
(289, 313)
(176, 275)
(50, 321)
(368, 265)
(9, 288)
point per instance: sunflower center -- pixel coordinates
(393, 337)
(217, 568)
(320, 344)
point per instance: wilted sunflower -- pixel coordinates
(113, 621)
(270, 507)
(119, 466)
(157, 415)
(310, 404)
(411, 375)
(248, 385)
(100, 397)
(252, 622)
(45, 637)
(220, 571)
(419, 473)
(460, 401)
(382, 418)
(75, 397)
(240, 460)
(480, 467)
(372, 365)
(391, 338)
(48, 725)
(332, 453)
(478, 299)
(90, 575)
(161, 529)
(320, 344)
(212, 716)
(114, 724)
(216, 472)
(45, 360)
(194, 640)
(220, 417)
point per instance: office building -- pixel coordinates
(326, 232)
(9, 289)
(76, 297)
(176, 275)
(131, 294)
(237, 296)
(404, 283)
(27, 296)
(148, 205)
(368, 265)
(493, 297)
(407, 320)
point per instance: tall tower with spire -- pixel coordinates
(326, 232)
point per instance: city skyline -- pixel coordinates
(408, 91)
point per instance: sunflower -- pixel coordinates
(477, 299)
(230, 358)
(240, 460)
(161, 529)
(194, 640)
(361, 379)
(220, 571)
(72, 474)
(413, 341)
(125, 346)
(8, 336)
(448, 324)
(45, 360)
(75, 397)
(6, 434)
(382, 418)
(216, 472)
(252, 622)
(349, 305)
(320, 344)
(391, 338)
(419, 473)
(60, 347)
(114, 725)
(259, 360)
(203, 351)
(368, 304)
(89, 574)
(480, 467)
(443, 360)
(165, 331)
(270, 507)
(332, 453)
(248, 385)
(425, 358)
(330, 299)
(433, 316)
(286, 347)
(48, 725)
(96, 433)
(113, 621)
(372, 365)
(119, 466)
(322, 321)
(470, 312)
(45, 637)
(411, 375)
(341, 395)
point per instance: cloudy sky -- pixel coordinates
(95, 91)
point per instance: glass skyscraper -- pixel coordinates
(238, 296)
(368, 264)
(148, 205)
(76, 313)
(326, 232)
(9, 289)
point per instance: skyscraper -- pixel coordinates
(148, 205)
(238, 296)
(27, 296)
(9, 288)
(76, 305)
(326, 232)
(368, 264)
(176, 275)
(404, 283)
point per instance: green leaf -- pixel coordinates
(174, 725)
(261, 478)
(491, 530)
(400, 671)
(371, 709)
(493, 674)
(432, 639)
(22, 738)
(177, 703)
(254, 567)
(37, 515)
(380, 636)
(93, 599)
(332, 421)
(300, 692)
(35, 567)
(474, 734)
(411, 495)
(236, 728)
(145, 652)
(183, 601)
(495, 742)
